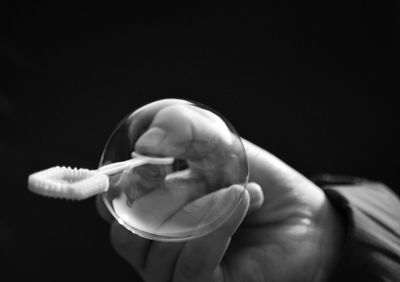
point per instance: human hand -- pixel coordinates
(291, 236)
(189, 197)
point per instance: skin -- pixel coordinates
(284, 228)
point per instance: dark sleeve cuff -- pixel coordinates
(371, 213)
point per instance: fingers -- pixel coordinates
(196, 135)
(161, 260)
(202, 205)
(156, 261)
(184, 131)
(195, 260)
(151, 211)
(143, 117)
(200, 259)
(209, 211)
(133, 249)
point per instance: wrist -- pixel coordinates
(330, 240)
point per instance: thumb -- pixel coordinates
(256, 196)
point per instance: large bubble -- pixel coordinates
(188, 198)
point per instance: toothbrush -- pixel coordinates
(81, 183)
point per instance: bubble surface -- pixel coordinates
(188, 198)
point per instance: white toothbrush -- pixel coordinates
(81, 183)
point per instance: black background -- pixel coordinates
(315, 84)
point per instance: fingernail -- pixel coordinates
(232, 195)
(151, 139)
(256, 205)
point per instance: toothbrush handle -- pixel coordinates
(121, 166)
(136, 161)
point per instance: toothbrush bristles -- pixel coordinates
(81, 183)
(67, 183)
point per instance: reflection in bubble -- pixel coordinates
(185, 199)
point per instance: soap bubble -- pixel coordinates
(188, 198)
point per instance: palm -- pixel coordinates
(282, 240)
